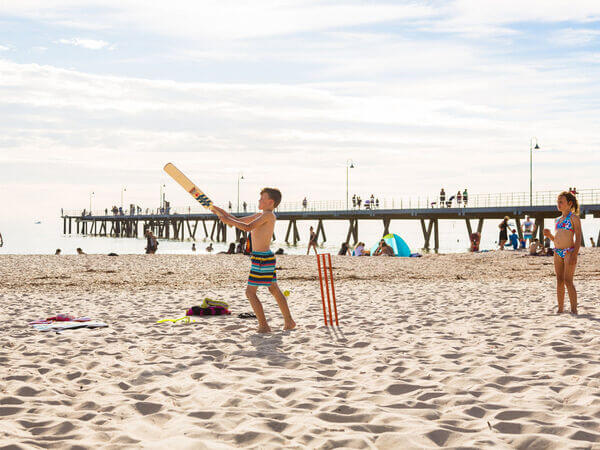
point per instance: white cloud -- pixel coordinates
(575, 37)
(91, 44)
(4, 48)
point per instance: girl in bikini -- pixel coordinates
(567, 241)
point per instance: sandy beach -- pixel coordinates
(442, 351)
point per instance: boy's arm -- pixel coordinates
(248, 219)
(222, 213)
(261, 219)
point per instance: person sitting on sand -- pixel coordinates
(240, 247)
(591, 240)
(57, 252)
(359, 249)
(514, 240)
(262, 270)
(383, 249)
(230, 251)
(80, 252)
(344, 250)
(210, 248)
(535, 248)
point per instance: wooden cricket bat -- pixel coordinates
(190, 187)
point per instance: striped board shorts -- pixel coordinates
(262, 272)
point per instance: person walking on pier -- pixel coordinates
(442, 198)
(503, 232)
(245, 205)
(465, 197)
(358, 202)
(312, 241)
(458, 198)
(354, 201)
(304, 203)
(230, 207)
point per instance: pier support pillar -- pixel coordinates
(470, 230)
(292, 228)
(598, 240)
(539, 228)
(321, 230)
(436, 235)
(386, 226)
(69, 225)
(64, 225)
(427, 232)
(352, 231)
(205, 230)
(191, 232)
(212, 231)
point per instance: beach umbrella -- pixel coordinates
(396, 242)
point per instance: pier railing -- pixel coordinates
(540, 198)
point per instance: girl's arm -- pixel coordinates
(578, 234)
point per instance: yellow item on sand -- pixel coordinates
(286, 293)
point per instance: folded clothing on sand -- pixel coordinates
(209, 311)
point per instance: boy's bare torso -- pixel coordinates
(262, 235)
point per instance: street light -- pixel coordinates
(240, 177)
(91, 195)
(349, 165)
(531, 147)
(123, 189)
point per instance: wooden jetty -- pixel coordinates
(179, 226)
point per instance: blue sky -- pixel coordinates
(419, 94)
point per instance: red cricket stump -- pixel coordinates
(324, 265)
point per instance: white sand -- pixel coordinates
(442, 351)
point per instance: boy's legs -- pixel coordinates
(559, 267)
(283, 306)
(263, 326)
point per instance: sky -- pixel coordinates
(96, 96)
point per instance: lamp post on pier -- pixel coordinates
(349, 165)
(531, 147)
(240, 177)
(123, 189)
(161, 200)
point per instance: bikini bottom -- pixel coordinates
(562, 252)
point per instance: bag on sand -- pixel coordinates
(209, 311)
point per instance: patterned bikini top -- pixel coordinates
(565, 224)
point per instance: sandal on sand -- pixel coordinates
(246, 316)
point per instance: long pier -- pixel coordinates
(178, 225)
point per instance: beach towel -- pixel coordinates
(58, 327)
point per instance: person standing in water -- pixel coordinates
(503, 232)
(312, 241)
(567, 242)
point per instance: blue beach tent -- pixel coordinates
(396, 242)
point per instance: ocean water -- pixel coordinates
(28, 237)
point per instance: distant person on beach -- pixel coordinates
(475, 240)
(210, 248)
(535, 248)
(194, 247)
(1, 240)
(567, 242)
(151, 243)
(383, 249)
(230, 250)
(503, 232)
(442, 198)
(514, 240)
(344, 250)
(262, 270)
(359, 249)
(57, 252)
(312, 241)
(591, 240)
(241, 245)
(528, 228)
(80, 252)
